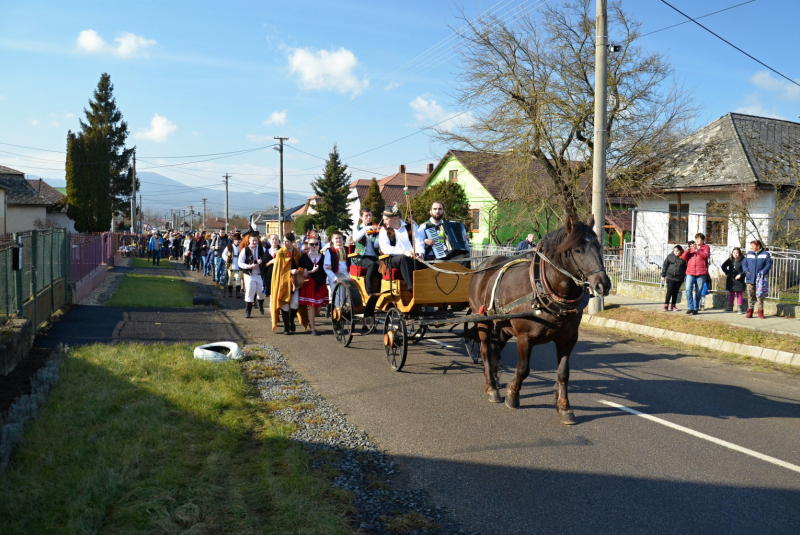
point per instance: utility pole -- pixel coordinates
(280, 188)
(227, 176)
(600, 134)
(191, 215)
(133, 193)
(204, 213)
(140, 219)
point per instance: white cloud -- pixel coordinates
(33, 122)
(277, 117)
(69, 115)
(391, 85)
(332, 70)
(753, 106)
(160, 129)
(786, 91)
(127, 44)
(429, 113)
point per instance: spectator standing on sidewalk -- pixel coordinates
(696, 258)
(756, 268)
(155, 246)
(528, 243)
(733, 267)
(673, 273)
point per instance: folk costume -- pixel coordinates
(367, 252)
(285, 294)
(314, 292)
(253, 282)
(397, 243)
(271, 254)
(230, 258)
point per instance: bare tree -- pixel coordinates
(530, 87)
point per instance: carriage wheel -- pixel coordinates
(342, 315)
(395, 339)
(417, 335)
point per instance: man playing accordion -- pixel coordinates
(437, 239)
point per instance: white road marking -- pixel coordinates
(698, 434)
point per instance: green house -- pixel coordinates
(481, 176)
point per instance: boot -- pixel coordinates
(729, 308)
(261, 306)
(761, 314)
(741, 309)
(230, 291)
(749, 313)
(666, 308)
(285, 315)
(237, 293)
(248, 309)
(292, 316)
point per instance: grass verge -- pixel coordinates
(152, 291)
(145, 439)
(145, 263)
(751, 363)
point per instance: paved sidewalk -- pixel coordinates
(773, 324)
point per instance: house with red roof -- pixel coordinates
(392, 188)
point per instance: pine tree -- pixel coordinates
(104, 116)
(333, 189)
(88, 167)
(374, 201)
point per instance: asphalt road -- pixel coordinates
(520, 471)
(508, 471)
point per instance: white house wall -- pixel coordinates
(22, 218)
(652, 218)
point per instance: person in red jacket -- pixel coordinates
(696, 257)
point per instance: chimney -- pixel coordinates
(430, 168)
(402, 169)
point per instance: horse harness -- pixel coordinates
(543, 297)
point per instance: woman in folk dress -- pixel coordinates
(337, 263)
(314, 293)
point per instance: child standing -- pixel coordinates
(733, 267)
(673, 272)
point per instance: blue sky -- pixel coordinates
(205, 77)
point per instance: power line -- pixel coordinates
(32, 148)
(697, 18)
(731, 44)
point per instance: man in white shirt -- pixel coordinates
(424, 245)
(365, 236)
(395, 241)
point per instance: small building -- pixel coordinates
(269, 219)
(392, 189)
(57, 205)
(214, 223)
(723, 181)
(23, 208)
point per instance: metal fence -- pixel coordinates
(644, 265)
(86, 252)
(40, 287)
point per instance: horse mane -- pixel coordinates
(555, 243)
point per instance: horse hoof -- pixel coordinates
(494, 397)
(567, 418)
(512, 403)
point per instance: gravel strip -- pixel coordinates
(382, 505)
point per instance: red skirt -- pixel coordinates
(312, 295)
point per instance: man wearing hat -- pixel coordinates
(394, 239)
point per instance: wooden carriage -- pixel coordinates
(407, 314)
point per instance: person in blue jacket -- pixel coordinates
(155, 246)
(528, 243)
(757, 262)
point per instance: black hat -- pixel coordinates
(392, 211)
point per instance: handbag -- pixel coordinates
(762, 286)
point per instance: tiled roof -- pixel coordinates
(214, 223)
(620, 219)
(391, 187)
(272, 214)
(399, 179)
(736, 149)
(18, 191)
(45, 190)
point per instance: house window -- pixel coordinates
(453, 175)
(476, 220)
(678, 223)
(717, 223)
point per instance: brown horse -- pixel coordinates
(573, 263)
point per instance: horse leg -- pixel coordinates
(487, 355)
(523, 370)
(563, 350)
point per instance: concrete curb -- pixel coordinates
(773, 355)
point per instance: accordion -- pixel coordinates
(450, 239)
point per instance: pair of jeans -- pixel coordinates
(156, 257)
(694, 290)
(208, 262)
(219, 267)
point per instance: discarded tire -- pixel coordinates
(218, 351)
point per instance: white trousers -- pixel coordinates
(254, 288)
(293, 303)
(234, 274)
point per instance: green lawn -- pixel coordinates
(152, 291)
(145, 263)
(145, 439)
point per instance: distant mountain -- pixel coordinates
(162, 194)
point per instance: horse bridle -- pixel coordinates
(583, 278)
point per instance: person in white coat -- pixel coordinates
(230, 258)
(252, 260)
